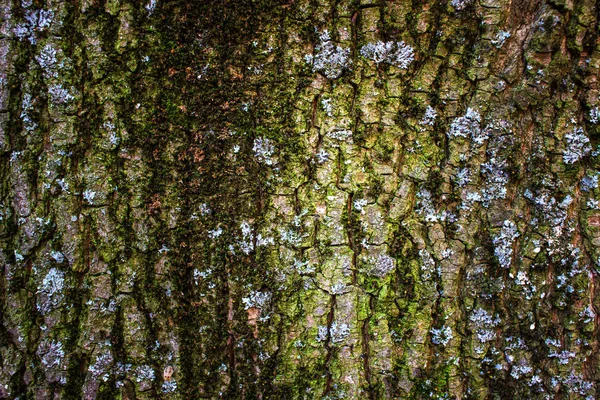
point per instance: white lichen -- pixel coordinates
(441, 336)
(329, 59)
(469, 125)
(578, 146)
(594, 115)
(264, 150)
(429, 116)
(460, 4)
(503, 243)
(257, 299)
(383, 266)
(52, 354)
(50, 292)
(59, 95)
(47, 61)
(500, 38)
(484, 324)
(337, 332)
(396, 53)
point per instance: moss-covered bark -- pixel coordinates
(299, 199)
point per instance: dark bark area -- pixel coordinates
(299, 199)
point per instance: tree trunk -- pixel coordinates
(262, 199)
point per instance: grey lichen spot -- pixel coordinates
(59, 95)
(144, 373)
(359, 204)
(338, 332)
(52, 354)
(428, 267)
(257, 299)
(383, 266)
(588, 315)
(250, 239)
(576, 384)
(151, 6)
(396, 53)
(340, 135)
(329, 59)
(264, 150)
(590, 182)
(484, 324)
(322, 156)
(441, 336)
(35, 20)
(169, 386)
(460, 4)
(89, 196)
(50, 292)
(520, 370)
(578, 146)
(57, 256)
(496, 180)
(500, 38)
(429, 116)
(338, 288)
(594, 115)
(47, 61)
(103, 362)
(503, 243)
(466, 126)
(327, 106)
(26, 108)
(462, 177)
(322, 332)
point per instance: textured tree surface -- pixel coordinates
(299, 199)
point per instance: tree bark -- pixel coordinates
(262, 199)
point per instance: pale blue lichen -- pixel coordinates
(48, 61)
(322, 156)
(500, 38)
(503, 243)
(169, 386)
(50, 292)
(59, 95)
(257, 299)
(52, 354)
(341, 135)
(144, 373)
(329, 59)
(462, 177)
(594, 115)
(484, 324)
(151, 6)
(383, 266)
(469, 125)
(264, 150)
(460, 4)
(578, 146)
(396, 53)
(35, 20)
(26, 108)
(327, 106)
(338, 332)
(520, 370)
(441, 336)
(89, 196)
(429, 116)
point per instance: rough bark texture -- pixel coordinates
(263, 199)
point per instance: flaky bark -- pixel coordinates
(299, 199)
